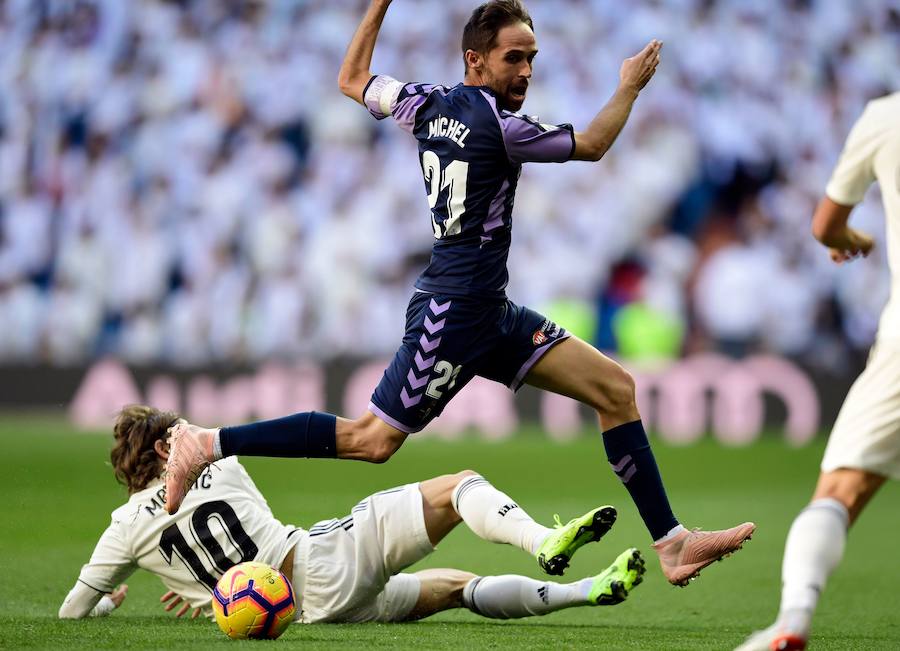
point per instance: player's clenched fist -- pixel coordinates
(636, 71)
(857, 244)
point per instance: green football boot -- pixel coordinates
(562, 543)
(613, 584)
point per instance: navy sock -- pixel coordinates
(631, 458)
(306, 434)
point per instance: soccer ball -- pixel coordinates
(253, 600)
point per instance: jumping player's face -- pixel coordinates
(507, 67)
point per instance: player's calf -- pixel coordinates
(441, 589)
(494, 515)
(510, 596)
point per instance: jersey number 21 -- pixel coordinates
(452, 179)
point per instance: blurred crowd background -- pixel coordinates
(182, 182)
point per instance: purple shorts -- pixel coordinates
(450, 340)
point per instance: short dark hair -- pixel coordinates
(480, 33)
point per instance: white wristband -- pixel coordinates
(104, 607)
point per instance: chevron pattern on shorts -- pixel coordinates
(427, 345)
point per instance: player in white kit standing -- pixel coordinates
(864, 448)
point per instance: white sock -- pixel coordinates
(510, 596)
(814, 547)
(494, 516)
(674, 531)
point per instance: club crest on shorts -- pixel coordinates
(547, 331)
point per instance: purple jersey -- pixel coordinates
(471, 154)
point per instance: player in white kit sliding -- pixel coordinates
(342, 570)
(864, 448)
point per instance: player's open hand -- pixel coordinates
(858, 244)
(636, 71)
(118, 595)
(173, 600)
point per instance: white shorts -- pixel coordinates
(866, 434)
(348, 570)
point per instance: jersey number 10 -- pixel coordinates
(452, 179)
(173, 541)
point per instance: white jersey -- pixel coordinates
(224, 520)
(872, 152)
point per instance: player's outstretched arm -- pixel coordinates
(110, 564)
(830, 227)
(83, 601)
(355, 73)
(592, 143)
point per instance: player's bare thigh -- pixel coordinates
(441, 589)
(368, 438)
(852, 487)
(576, 369)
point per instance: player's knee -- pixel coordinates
(625, 389)
(617, 393)
(379, 451)
(452, 481)
(368, 439)
(374, 448)
(448, 483)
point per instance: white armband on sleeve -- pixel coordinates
(104, 607)
(381, 94)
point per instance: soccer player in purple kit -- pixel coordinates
(472, 144)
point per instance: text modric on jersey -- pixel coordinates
(157, 502)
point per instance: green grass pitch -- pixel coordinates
(58, 492)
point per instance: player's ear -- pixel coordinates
(161, 446)
(474, 61)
